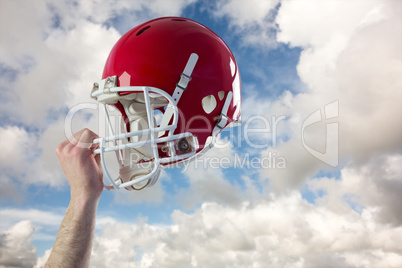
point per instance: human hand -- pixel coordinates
(81, 167)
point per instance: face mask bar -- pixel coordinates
(181, 148)
(172, 140)
(152, 131)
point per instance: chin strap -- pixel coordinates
(181, 86)
(223, 120)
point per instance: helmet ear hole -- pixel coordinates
(209, 103)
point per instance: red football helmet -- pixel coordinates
(183, 70)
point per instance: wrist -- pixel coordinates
(84, 201)
(86, 193)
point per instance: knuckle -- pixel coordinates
(59, 149)
(87, 133)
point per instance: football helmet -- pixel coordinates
(177, 85)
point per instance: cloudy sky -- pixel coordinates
(313, 177)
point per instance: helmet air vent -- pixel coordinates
(209, 103)
(143, 30)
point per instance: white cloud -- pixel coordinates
(241, 14)
(16, 249)
(21, 41)
(322, 20)
(65, 65)
(349, 54)
(14, 142)
(166, 8)
(52, 57)
(276, 232)
(18, 150)
(207, 182)
(27, 226)
(122, 12)
(81, 53)
(36, 217)
(41, 261)
(30, 158)
(9, 190)
(376, 184)
(254, 20)
(358, 64)
(118, 247)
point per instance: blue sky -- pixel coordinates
(295, 57)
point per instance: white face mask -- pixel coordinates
(137, 149)
(144, 147)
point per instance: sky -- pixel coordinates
(312, 178)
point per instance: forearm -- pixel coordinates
(73, 243)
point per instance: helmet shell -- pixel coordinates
(155, 53)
